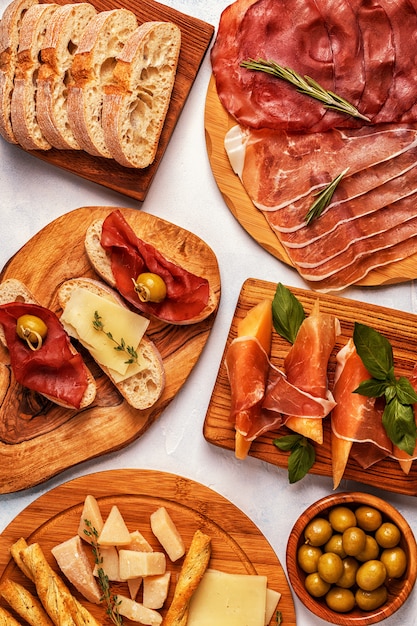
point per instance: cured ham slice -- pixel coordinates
(307, 362)
(356, 419)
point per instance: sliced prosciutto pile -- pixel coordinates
(287, 146)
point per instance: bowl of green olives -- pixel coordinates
(352, 559)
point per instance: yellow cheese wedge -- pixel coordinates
(109, 563)
(167, 534)
(91, 512)
(155, 590)
(120, 322)
(114, 531)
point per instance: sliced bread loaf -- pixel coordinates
(9, 42)
(136, 102)
(23, 107)
(92, 68)
(62, 38)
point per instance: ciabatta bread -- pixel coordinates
(92, 68)
(62, 39)
(9, 42)
(136, 102)
(13, 290)
(23, 108)
(143, 389)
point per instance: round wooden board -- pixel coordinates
(52, 256)
(237, 544)
(217, 122)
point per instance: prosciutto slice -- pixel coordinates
(53, 370)
(187, 294)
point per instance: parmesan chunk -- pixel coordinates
(74, 563)
(272, 599)
(155, 590)
(167, 534)
(133, 585)
(138, 543)
(109, 563)
(134, 564)
(91, 512)
(114, 531)
(137, 612)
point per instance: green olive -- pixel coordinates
(388, 535)
(31, 329)
(371, 600)
(330, 567)
(340, 600)
(316, 586)
(395, 561)
(307, 557)
(368, 518)
(371, 575)
(150, 287)
(370, 551)
(354, 540)
(318, 531)
(341, 517)
(335, 544)
(348, 578)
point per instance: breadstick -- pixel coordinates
(24, 603)
(6, 619)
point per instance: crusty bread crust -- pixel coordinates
(92, 68)
(62, 39)
(9, 42)
(23, 106)
(143, 389)
(136, 102)
(13, 290)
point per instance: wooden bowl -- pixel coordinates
(398, 589)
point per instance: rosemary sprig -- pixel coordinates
(110, 599)
(120, 346)
(323, 198)
(305, 85)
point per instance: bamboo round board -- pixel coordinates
(217, 122)
(238, 546)
(398, 327)
(39, 439)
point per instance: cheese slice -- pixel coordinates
(228, 600)
(124, 326)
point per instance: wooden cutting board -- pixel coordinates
(52, 256)
(217, 123)
(195, 39)
(398, 327)
(238, 546)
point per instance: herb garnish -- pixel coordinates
(278, 618)
(110, 599)
(301, 458)
(398, 419)
(305, 85)
(324, 198)
(121, 347)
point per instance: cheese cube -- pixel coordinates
(74, 563)
(167, 534)
(136, 612)
(91, 512)
(134, 564)
(114, 531)
(155, 590)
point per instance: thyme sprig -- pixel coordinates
(107, 597)
(324, 198)
(120, 346)
(305, 85)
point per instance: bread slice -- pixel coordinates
(92, 68)
(136, 103)
(13, 290)
(62, 38)
(23, 107)
(9, 42)
(143, 389)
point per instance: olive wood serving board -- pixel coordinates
(398, 327)
(217, 122)
(39, 439)
(238, 546)
(195, 39)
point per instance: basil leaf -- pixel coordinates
(287, 313)
(405, 391)
(374, 350)
(398, 421)
(371, 388)
(300, 461)
(287, 442)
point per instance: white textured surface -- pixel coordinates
(34, 193)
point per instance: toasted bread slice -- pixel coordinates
(13, 290)
(136, 102)
(143, 389)
(61, 41)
